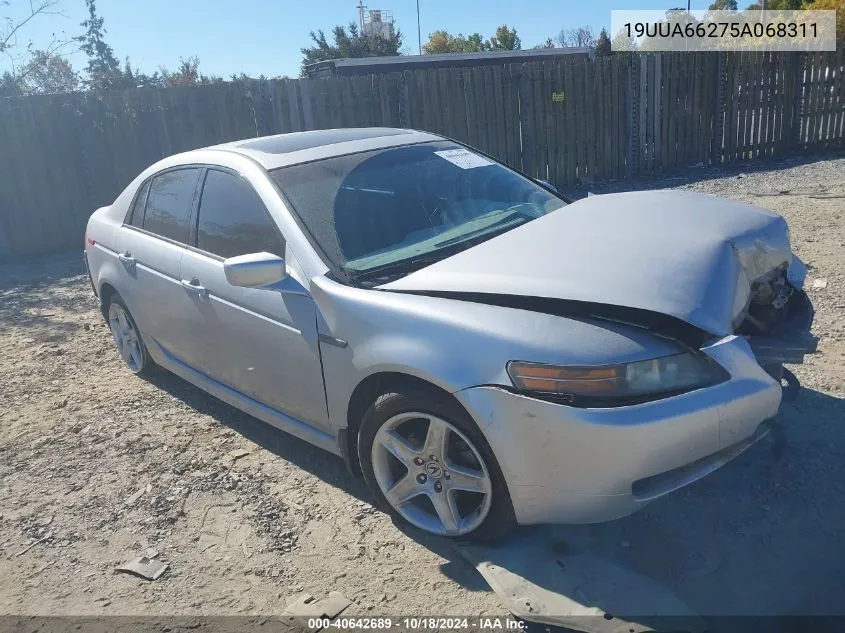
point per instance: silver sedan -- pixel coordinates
(484, 351)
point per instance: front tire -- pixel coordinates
(427, 463)
(126, 336)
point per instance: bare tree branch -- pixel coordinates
(39, 7)
(19, 62)
(51, 51)
(578, 37)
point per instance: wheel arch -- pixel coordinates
(105, 273)
(365, 394)
(107, 291)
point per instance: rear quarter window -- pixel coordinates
(136, 214)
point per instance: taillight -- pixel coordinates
(89, 241)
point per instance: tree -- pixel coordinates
(678, 18)
(9, 85)
(603, 44)
(350, 44)
(813, 5)
(579, 37)
(43, 74)
(13, 81)
(12, 27)
(723, 5)
(474, 43)
(505, 39)
(48, 74)
(829, 5)
(103, 68)
(186, 75)
(781, 5)
(441, 42)
(134, 78)
(623, 43)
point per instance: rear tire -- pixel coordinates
(127, 338)
(427, 463)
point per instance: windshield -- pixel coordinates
(394, 210)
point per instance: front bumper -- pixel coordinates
(569, 465)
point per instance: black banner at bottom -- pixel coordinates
(374, 624)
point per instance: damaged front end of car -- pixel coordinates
(777, 323)
(685, 266)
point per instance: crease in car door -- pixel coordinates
(262, 343)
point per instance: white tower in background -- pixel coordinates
(375, 21)
(361, 8)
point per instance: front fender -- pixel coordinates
(450, 343)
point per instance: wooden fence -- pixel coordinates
(569, 122)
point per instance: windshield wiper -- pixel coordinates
(505, 222)
(400, 266)
(411, 264)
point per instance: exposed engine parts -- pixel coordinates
(777, 323)
(769, 303)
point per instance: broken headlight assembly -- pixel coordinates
(617, 385)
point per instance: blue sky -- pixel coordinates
(264, 36)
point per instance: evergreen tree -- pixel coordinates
(103, 68)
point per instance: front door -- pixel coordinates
(262, 343)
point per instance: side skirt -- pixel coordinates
(241, 401)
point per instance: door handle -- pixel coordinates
(194, 287)
(127, 260)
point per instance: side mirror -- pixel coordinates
(254, 270)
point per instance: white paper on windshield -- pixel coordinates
(464, 158)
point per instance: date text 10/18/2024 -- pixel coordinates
(422, 623)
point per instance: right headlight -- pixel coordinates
(639, 380)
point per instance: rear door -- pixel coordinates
(263, 343)
(150, 246)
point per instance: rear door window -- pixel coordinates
(169, 204)
(233, 220)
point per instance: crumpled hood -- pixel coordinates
(679, 253)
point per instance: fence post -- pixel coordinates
(717, 142)
(404, 101)
(524, 99)
(305, 97)
(798, 100)
(254, 97)
(660, 113)
(633, 115)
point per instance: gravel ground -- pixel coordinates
(96, 465)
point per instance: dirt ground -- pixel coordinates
(97, 464)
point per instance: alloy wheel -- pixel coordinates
(431, 474)
(125, 337)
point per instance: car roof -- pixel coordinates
(282, 150)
